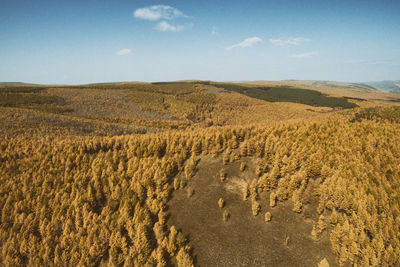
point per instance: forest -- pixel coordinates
(88, 173)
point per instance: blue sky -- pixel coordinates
(72, 42)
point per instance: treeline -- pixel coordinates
(288, 94)
(391, 114)
(104, 200)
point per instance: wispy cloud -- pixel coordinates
(373, 62)
(158, 12)
(305, 55)
(288, 41)
(123, 52)
(249, 42)
(166, 27)
(214, 31)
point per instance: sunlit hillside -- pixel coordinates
(199, 173)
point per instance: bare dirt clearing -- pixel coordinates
(244, 239)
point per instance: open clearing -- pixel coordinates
(284, 241)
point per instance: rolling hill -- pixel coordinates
(388, 86)
(199, 173)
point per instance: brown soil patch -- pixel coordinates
(242, 240)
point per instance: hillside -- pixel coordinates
(18, 84)
(196, 173)
(316, 83)
(142, 107)
(388, 86)
(383, 86)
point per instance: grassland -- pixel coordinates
(32, 98)
(160, 106)
(179, 100)
(26, 100)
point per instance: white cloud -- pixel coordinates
(249, 42)
(158, 12)
(214, 31)
(124, 51)
(289, 41)
(305, 55)
(166, 27)
(372, 62)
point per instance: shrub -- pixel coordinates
(268, 216)
(225, 215)
(182, 183)
(253, 189)
(246, 191)
(314, 233)
(225, 159)
(222, 175)
(255, 207)
(242, 166)
(221, 202)
(321, 224)
(189, 171)
(176, 183)
(272, 199)
(190, 191)
(297, 204)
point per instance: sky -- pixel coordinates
(88, 41)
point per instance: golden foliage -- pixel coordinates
(255, 207)
(221, 202)
(101, 200)
(268, 216)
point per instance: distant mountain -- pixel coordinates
(388, 86)
(361, 86)
(317, 83)
(17, 84)
(384, 86)
(392, 86)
